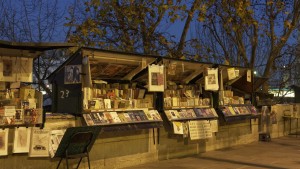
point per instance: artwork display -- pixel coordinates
(156, 78)
(72, 74)
(4, 142)
(39, 146)
(211, 79)
(22, 140)
(177, 127)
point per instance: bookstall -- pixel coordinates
(187, 105)
(235, 97)
(21, 105)
(108, 89)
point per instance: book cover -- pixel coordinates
(198, 112)
(214, 112)
(107, 103)
(21, 140)
(190, 113)
(127, 116)
(132, 116)
(95, 118)
(108, 117)
(236, 110)
(115, 117)
(102, 117)
(148, 114)
(232, 111)
(19, 116)
(88, 119)
(155, 115)
(91, 104)
(142, 115)
(122, 117)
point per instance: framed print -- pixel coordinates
(21, 140)
(39, 146)
(72, 74)
(4, 142)
(156, 78)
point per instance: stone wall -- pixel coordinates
(114, 150)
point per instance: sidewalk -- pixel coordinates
(280, 153)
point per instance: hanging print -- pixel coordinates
(156, 78)
(72, 74)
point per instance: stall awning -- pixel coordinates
(29, 49)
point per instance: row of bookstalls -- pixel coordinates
(120, 91)
(115, 91)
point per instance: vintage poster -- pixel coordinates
(156, 78)
(178, 127)
(39, 146)
(231, 73)
(7, 69)
(211, 80)
(72, 74)
(24, 69)
(4, 142)
(214, 126)
(22, 140)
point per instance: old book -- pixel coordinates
(102, 117)
(107, 103)
(122, 117)
(127, 116)
(95, 118)
(148, 114)
(108, 117)
(155, 114)
(88, 119)
(115, 117)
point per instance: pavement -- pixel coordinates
(279, 153)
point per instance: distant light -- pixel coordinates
(43, 92)
(255, 72)
(48, 86)
(284, 66)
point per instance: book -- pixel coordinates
(19, 116)
(148, 115)
(143, 115)
(107, 103)
(102, 117)
(95, 118)
(88, 119)
(190, 113)
(115, 117)
(155, 115)
(127, 116)
(108, 117)
(122, 117)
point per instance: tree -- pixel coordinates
(134, 26)
(251, 33)
(34, 21)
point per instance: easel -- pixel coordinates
(76, 143)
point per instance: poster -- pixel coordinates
(4, 142)
(7, 69)
(214, 126)
(200, 129)
(178, 127)
(24, 69)
(21, 140)
(231, 73)
(249, 76)
(39, 146)
(72, 74)
(156, 78)
(211, 80)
